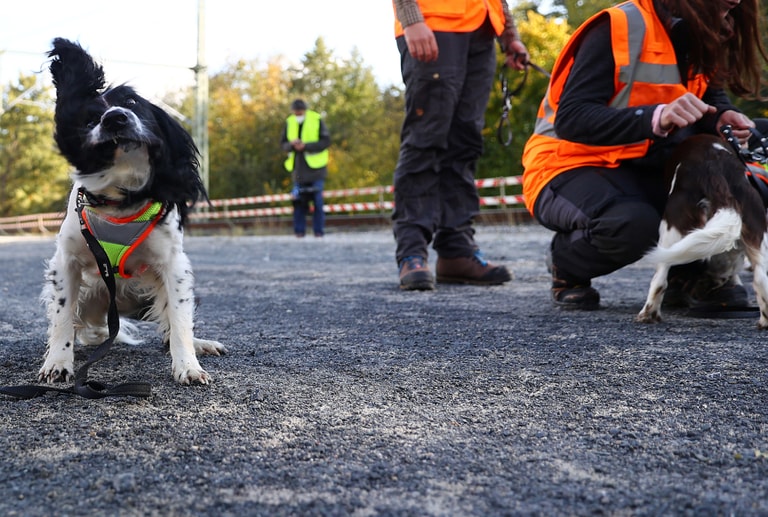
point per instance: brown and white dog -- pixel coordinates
(712, 214)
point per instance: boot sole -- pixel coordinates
(418, 286)
(576, 306)
(469, 281)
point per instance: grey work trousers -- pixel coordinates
(441, 141)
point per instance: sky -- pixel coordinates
(152, 44)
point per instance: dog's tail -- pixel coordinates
(720, 234)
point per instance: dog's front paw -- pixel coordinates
(56, 372)
(648, 315)
(188, 373)
(206, 347)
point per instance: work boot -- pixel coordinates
(704, 297)
(570, 295)
(415, 274)
(470, 270)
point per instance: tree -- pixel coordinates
(578, 11)
(245, 121)
(33, 175)
(364, 122)
(544, 37)
(248, 106)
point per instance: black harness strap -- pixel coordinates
(82, 386)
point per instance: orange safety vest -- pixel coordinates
(458, 15)
(646, 73)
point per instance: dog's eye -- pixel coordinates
(130, 101)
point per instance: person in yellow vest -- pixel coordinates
(448, 62)
(631, 83)
(306, 140)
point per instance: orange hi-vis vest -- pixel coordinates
(458, 15)
(646, 74)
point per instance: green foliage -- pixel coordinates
(364, 121)
(249, 104)
(755, 108)
(33, 176)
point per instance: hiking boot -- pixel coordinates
(415, 274)
(470, 270)
(728, 295)
(571, 295)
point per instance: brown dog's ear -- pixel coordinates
(75, 74)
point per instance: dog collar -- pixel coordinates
(94, 200)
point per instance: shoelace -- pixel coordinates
(413, 262)
(480, 258)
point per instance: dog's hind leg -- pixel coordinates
(757, 258)
(651, 312)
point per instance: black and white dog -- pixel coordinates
(712, 214)
(135, 181)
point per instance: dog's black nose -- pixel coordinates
(114, 121)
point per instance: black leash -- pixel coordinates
(505, 125)
(82, 386)
(754, 161)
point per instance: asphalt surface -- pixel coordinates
(342, 395)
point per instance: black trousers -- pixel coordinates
(604, 219)
(441, 141)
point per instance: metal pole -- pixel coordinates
(201, 96)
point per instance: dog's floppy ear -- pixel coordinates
(176, 168)
(74, 71)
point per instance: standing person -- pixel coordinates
(448, 62)
(633, 82)
(306, 140)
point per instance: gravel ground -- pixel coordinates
(342, 395)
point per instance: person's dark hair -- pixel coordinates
(298, 105)
(727, 50)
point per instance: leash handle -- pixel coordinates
(504, 133)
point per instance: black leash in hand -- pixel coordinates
(83, 386)
(504, 129)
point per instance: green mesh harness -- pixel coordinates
(120, 236)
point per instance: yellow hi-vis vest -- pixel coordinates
(646, 73)
(310, 132)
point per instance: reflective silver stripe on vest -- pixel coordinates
(635, 71)
(124, 234)
(638, 71)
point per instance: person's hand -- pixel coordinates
(683, 112)
(740, 124)
(298, 145)
(517, 54)
(421, 42)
